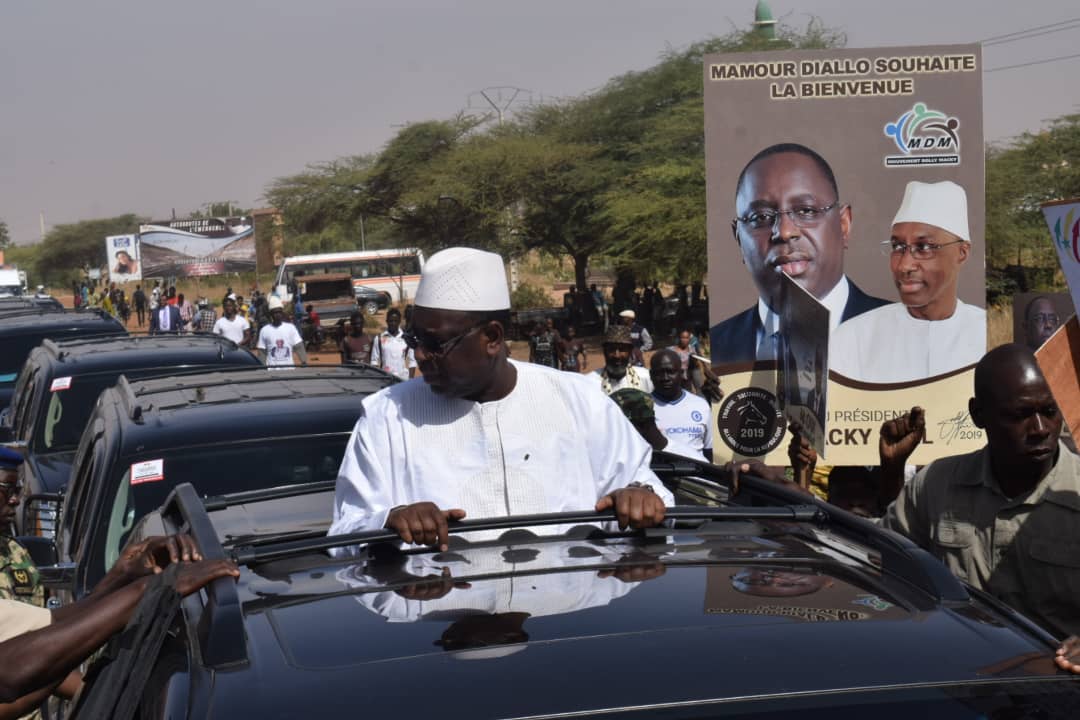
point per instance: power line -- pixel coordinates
(1033, 62)
(1031, 35)
(1031, 29)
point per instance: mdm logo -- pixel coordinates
(924, 137)
(1067, 233)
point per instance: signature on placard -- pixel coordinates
(958, 427)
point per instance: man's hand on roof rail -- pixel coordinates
(636, 507)
(1068, 655)
(149, 557)
(634, 567)
(423, 523)
(194, 576)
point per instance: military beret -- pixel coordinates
(637, 405)
(10, 459)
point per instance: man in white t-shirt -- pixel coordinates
(390, 351)
(279, 340)
(231, 325)
(684, 418)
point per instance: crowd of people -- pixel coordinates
(481, 434)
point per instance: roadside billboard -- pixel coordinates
(204, 246)
(122, 252)
(859, 174)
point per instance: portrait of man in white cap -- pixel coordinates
(930, 332)
(480, 435)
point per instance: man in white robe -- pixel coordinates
(480, 435)
(930, 332)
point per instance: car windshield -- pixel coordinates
(144, 481)
(70, 404)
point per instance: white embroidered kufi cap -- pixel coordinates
(941, 204)
(463, 278)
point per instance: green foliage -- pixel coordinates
(529, 296)
(68, 249)
(1030, 170)
(223, 208)
(618, 173)
(5, 236)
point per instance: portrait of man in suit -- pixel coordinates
(789, 219)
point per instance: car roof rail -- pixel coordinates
(251, 554)
(133, 409)
(220, 502)
(219, 627)
(900, 555)
(50, 345)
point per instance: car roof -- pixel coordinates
(219, 405)
(92, 354)
(45, 320)
(676, 615)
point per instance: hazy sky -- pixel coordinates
(114, 106)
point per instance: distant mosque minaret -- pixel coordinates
(764, 24)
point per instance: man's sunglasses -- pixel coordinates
(437, 349)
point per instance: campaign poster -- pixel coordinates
(122, 253)
(1037, 316)
(803, 365)
(1063, 218)
(1059, 360)
(203, 246)
(858, 173)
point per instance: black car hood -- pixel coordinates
(532, 628)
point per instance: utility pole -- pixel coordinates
(499, 99)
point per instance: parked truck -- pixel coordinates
(12, 282)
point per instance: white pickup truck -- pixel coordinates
(12, 282)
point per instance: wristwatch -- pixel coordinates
(643, 486)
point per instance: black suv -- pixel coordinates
(58, 386)
(223, 432)
(23, 331)
(765, 605)
(370, 300)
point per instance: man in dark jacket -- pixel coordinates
(791, 220)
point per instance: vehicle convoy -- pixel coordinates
(762, 605)
(58, 387)
(21, 332)
(225, 431)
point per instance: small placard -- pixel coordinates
(147, 471)
(61, 383)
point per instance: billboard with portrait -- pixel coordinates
(201, 246)
(122, 252)
(859, 174)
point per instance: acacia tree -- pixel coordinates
(70, 247)
(5, 237)
(1021, 174)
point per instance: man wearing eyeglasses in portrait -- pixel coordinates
(930, 331)
(480, 435)
(790, 220)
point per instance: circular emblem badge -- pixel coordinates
(750, 421)
(696, 416)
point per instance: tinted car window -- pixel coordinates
(213, 470)
(66, 412)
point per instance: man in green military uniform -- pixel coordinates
(19, 578)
